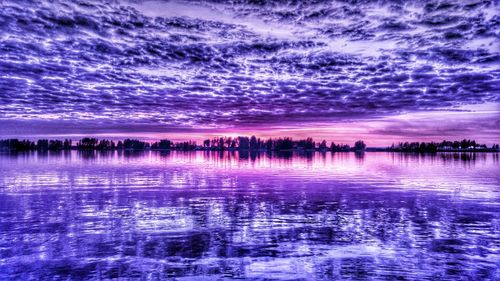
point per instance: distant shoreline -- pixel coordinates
(242, 143)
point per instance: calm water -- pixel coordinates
(153, 216)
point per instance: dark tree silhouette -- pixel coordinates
(206, 143)
(283, 144)
(307, 144)
(105, 145)
(67, 144)
(162, 145)
(55, 145)
(42, 144)
(359, 146)
(322, 146)
(185, 146)
(87, 144)
(16, 145)
(132, 144)
(339, 147)
(463, 145)
(241, 143)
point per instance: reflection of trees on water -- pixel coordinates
(258, 155)
(447, 157)
(333, 230)
(459, 156)
(178, 220)
(360, 155)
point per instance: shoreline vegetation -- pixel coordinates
(241, 143)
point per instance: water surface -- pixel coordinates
(153, 216)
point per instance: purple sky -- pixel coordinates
(381, 71)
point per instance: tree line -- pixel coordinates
(463, 145)
(216, 144)
(239, 143)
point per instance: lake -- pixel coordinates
(216, 216)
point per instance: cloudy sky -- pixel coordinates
(382, 71)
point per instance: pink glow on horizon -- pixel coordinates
(416, 126)
(479, 122)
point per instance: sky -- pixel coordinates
(381, 71)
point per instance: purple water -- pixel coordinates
(212, 216)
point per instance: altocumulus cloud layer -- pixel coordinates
(172, 65)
